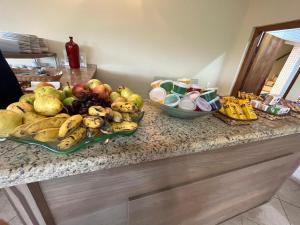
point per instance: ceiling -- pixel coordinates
(288, 35)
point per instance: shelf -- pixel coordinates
(16, 55)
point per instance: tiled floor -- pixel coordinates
(283, 209)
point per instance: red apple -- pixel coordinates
(101, 91)
(78, 89)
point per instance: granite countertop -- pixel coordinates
(158, 137)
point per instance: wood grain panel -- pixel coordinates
(76, 197)
(212, 200)
(262, 64)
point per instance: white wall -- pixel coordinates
(260, 12)
(132, 41)
(294, 93)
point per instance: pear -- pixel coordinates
(20, 107)
(47, 105)
(137, 100)
(114, 95)
(27, 98)
(47, 90)
(126, 92)
(9, 120)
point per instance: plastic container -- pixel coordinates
(215, 103)
(209, 95)
(187, 104)
(180, 88)
(167, 85)
(172, 100)
(193, 95)
(158, 95)
(203, 104)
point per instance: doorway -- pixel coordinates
(267, 65)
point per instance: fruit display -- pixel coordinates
(62, 119)
(237, 109)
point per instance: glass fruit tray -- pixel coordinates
(80, 145)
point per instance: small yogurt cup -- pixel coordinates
(187, 104)
(167, 85)
(158, 95)
(185, 80)
(193, 95)
(172, 100)
(203, 105)
(180, 88)
(156, 84)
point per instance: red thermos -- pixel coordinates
(72, 50)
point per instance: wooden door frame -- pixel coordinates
(252, 50)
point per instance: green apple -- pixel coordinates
(68, 91)
(69, 100)
(28, 98)
(114, 95)
(137, 100)
(126, 92)
(93, 83)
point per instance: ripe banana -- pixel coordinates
(70, 125)
(47, 135)
(117, 117)
(97, 111)
(31, 117)
(126, 107)
(74, 138)
(20, 131)
(20, 107)
(63, 115)
(126, 117)
(51, 122)
(124, 126)
(93, 121)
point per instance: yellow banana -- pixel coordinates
(20, 131)
(117, 117)
(63, 115)
(69, 125)
(126, 117)
(73, 139)
(51, 122)
(93, 121)
(124, 126)
(31, 117)
(47, 135)
(126, 107)
(97, 111)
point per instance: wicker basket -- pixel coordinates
(31, 75)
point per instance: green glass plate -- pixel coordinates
(78, 147)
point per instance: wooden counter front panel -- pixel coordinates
(212, 200)
(104, 195)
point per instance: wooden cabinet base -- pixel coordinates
(203, 188)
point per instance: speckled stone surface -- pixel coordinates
(158, 137)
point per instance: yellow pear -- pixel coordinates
(9, 120)
(47, 105)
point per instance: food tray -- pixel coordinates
(79, 146)
(269, 116)
(230, 121)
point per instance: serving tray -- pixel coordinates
(51, 147)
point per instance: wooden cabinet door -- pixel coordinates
(212, 200)
(262, 63)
